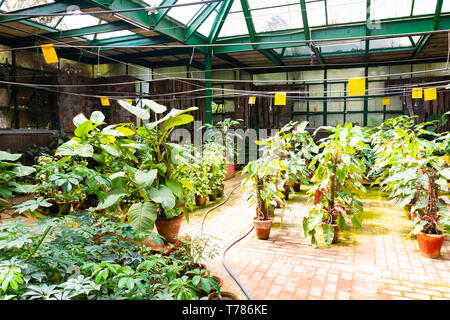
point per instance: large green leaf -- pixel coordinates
(145, 178)
(446, 173)
(156, 107)
(116, 192)
(83, 129)
(174, 186)
(79, 119)
(110, 149)
(97, 117)
(22, 171)
(178, 121)
(142, 216)
(6, 156)
(84, 150)
(138, 112)
(328, 233)
(164, 196)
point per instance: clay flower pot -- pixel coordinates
(212, 289)
(430, 244)
(200, 201)
(262, 228)
(169, 228)
(213, 195)
(224, 295)
(220, 191)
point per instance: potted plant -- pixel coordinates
(337, 179)
(215, 165)
(263, 181)
(227, 140)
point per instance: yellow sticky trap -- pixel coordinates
(357, 87)
(280, 98)
(251, 100)
(49, 53)
(430, 94)
(386, 101)
(105, 101)
(417, 93)
(129, 101)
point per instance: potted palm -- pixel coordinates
(338, 179)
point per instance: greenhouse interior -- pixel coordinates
(224, 150)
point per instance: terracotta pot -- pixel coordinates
(169, 228)
(200, 201)
(220, 191)
(336, 234)
(213, 195)
(430, 244)
(297, 186)
(231, 170)
(262, 228)
(224, 295)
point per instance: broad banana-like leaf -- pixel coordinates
(142, 216)
(156, 107)
(138, 112)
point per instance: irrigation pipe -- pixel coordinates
(230, 245)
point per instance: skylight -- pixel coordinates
(391, 43)
(345, 11)
(186, 13)
(234, 24)
(386, 9)
(114, 34)
(277, 18)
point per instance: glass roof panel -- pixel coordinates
(186, 13)
(346, 46)
(153, 2)
(76, 22)
(259, 4)
(424, 7)
(297, 51)
(316, 13)
(446, 6)
(206, 26)
(386, 9)
(234, 24)
(344, 11)
(391, 43)
(114, 34)
(277, 18)
(24, 4)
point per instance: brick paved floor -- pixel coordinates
(373, 263)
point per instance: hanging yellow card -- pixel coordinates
(251, 100)
(49, 53)
(129, 101)
(386, 101)
(417, 93)
(430, 94)
(280, 98)
(105, 101)
(357, 87)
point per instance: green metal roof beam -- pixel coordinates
(306, 31)
(155, 18)
(206, 12)
(270, 54)
(394, 28)
(108, 27)
(368, 4)
(164, 27)
(248, 20)
(426, 38)
(46, 8)
(220, 19)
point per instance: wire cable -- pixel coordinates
(231, 244)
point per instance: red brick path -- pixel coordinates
(373, 263)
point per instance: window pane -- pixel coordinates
(343, 11)
(385, 9)
(277, 18)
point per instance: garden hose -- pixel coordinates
(230, 245)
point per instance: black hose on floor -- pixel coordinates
(230, 245)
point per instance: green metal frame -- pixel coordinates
(426, 38)
(307, 32)
(204, 14)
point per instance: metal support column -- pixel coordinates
(208, 91)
